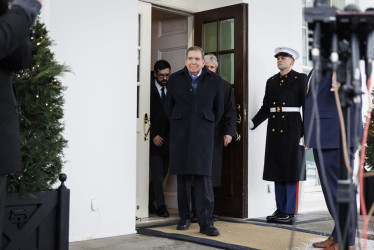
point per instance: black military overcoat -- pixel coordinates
(284, 157)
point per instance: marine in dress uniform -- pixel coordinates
(284, 98)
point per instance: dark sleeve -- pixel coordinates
(169, 99)
(14, 30)
(264, 111)
(229, 115)
(19, 59)
(218, 104)
(303, 82)
(156, 114)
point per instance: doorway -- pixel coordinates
(169, 39)
(172, 32)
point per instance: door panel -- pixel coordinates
(144, 62)
(169, 42)
(223, 32)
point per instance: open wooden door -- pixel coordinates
(223, 32)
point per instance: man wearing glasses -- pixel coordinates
(160, 129)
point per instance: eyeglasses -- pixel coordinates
(163, 75)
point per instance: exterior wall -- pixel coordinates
(98, 40)
(270, 24)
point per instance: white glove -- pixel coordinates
(251, 125)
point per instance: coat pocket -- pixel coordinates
(176, 116)
(209, 116)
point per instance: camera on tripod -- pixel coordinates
(341, 37)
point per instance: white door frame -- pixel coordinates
(142, 152)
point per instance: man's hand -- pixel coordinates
(226, 140)
(158, 141)
(40, 1)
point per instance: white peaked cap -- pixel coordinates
(286, 52)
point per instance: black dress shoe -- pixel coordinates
(209, 230)
(183, 224)
(162, 211)
(283, 218)
(272, 217)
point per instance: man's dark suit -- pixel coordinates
(159, 155)
(328, 143)
(15, 54)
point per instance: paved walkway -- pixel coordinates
(316, 221)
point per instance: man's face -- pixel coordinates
(194, 61)
(162, 76)
(284, 62)
(211, 66)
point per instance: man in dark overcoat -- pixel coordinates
(15, 54)
(159, 134)
(326, 149)
(284, 154)
(194, 105)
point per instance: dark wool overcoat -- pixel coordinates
(283, 154)
(193, 117)
(15, 53)
(226, 126)
(159, 123)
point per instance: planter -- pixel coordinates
(369, 192)
(37, 221)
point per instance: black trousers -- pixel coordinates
(2, 203)
(159, 168)
(203, 194)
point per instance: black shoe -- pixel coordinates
(272, 217)
(183, 224)
(283, 218)
(193, 218)
(209, 230)
(152, 209)
(162, 211)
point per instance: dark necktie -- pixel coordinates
(163, 94)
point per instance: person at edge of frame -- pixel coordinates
(15, 54)
(329, 146)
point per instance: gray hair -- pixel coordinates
(195, 48)
(211, 58)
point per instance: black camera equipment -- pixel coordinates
(340, 40)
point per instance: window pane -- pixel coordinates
(138, 67)
(227, 34)
(226, 67)
(210, 37)
(139, 20)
